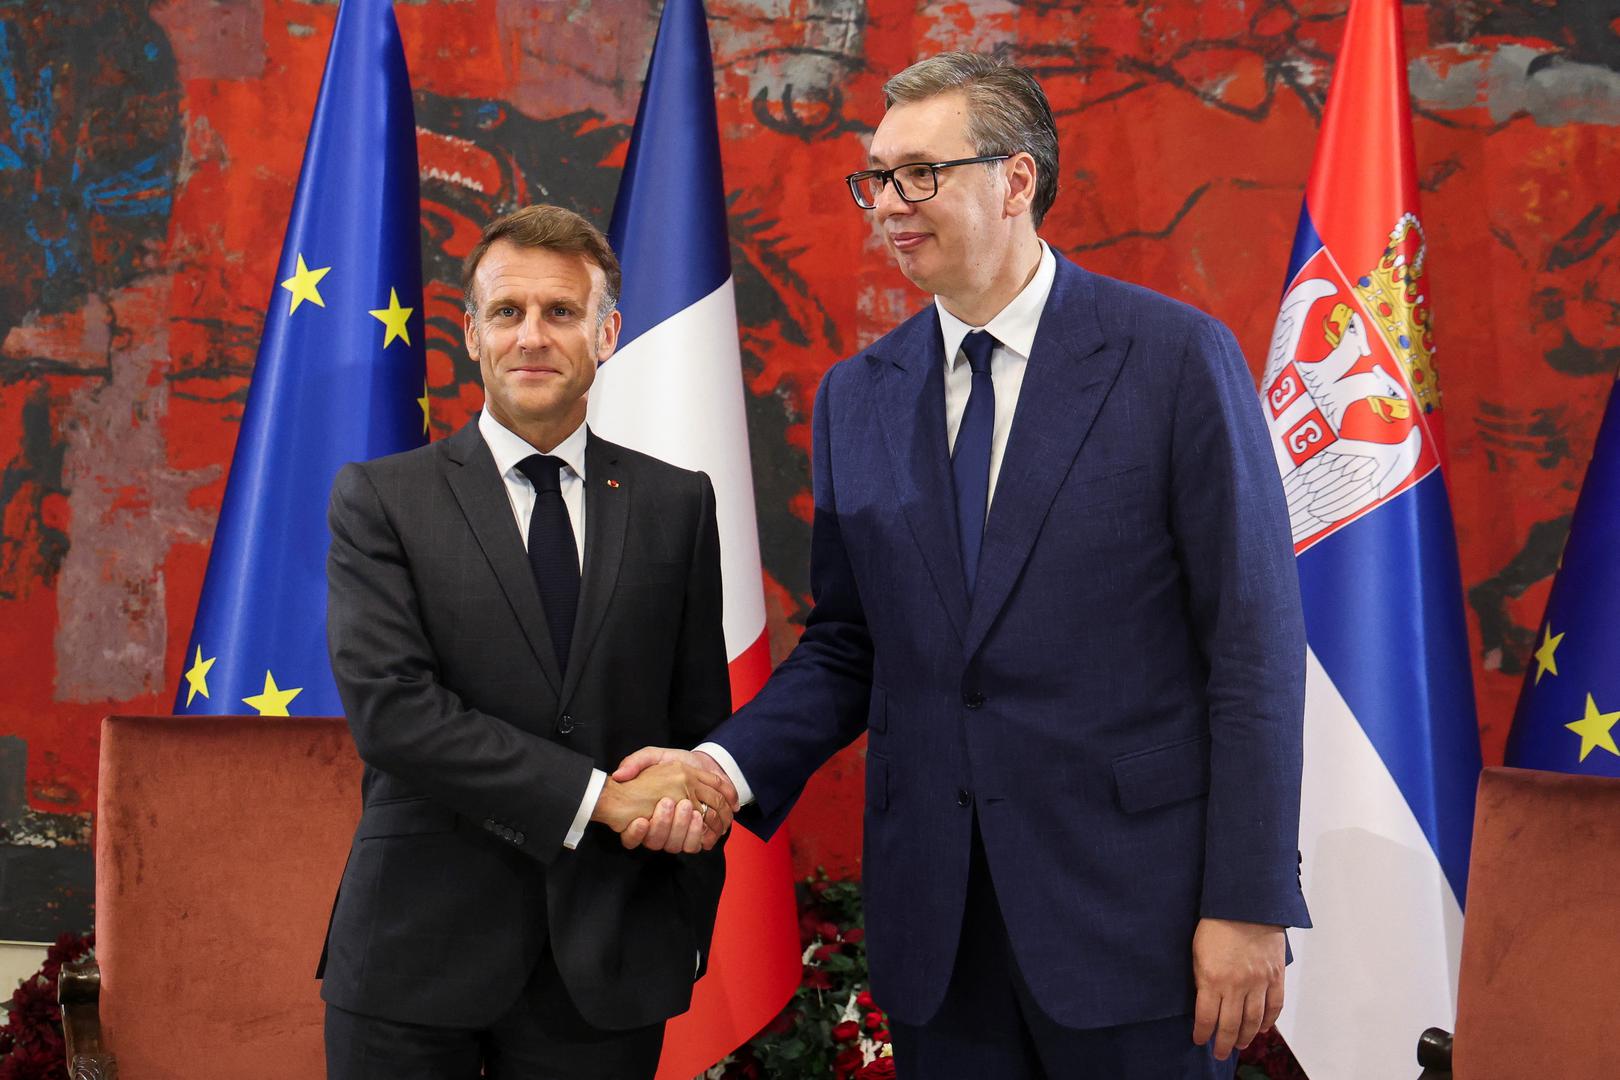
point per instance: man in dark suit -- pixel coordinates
(510, 610)
(1053, 580)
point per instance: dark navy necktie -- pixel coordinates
(553, 555)
(970, 461)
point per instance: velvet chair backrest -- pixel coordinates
(1540, 983)
(219, 844)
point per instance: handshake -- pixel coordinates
(667, 800)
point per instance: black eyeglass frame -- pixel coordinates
(886, 176)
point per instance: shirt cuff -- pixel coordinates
(728, 765)
(593, 791)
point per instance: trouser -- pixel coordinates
(542, 1037)
(991, 1026)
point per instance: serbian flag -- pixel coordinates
(674, 390)
(1569, 707)
(1391, 741)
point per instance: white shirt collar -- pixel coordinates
(1014, 325)
(508, 448)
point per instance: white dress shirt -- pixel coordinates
(1014, 330)
(508, 448)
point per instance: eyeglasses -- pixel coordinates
(916, 181)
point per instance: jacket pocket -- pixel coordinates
(1162, 775)
(877, 781)
(405, 817)
(877, 712)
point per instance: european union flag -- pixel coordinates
(1570, 704)
(340, 377)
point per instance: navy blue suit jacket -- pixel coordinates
(1121, 699)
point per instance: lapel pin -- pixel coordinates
(612, 483)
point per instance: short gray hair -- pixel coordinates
(1007, 110)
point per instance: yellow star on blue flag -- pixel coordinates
(394, 319)
(305, 285)
(272, 700)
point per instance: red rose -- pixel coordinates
(784, 1022)
(827, 932)
(881, 1069)
(864, 1000)
(854, 934)
(826, 952)
(846, 1031)
(817, 979)
(848, 1061)
(874, 1020)
(880, 1036)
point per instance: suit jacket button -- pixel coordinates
(963, 797)
(973, 699)
(566, 724)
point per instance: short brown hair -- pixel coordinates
(554, 228)
(1007, 111)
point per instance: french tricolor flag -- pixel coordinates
(674, 390)
(1391, 740)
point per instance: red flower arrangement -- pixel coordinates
(31, 1046)
(880, 1069)
(831, 1028)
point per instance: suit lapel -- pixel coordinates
(607, 513)
(482, 495)
(1068, 377)
(911, 401)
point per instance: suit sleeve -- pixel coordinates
(1230, 522)
(815, 703)
(405, 722)
(700, 698)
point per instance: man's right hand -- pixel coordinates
(666, 830)
(692, 806)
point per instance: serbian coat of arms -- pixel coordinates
(1349, 386)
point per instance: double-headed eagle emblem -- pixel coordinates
(1349, 384)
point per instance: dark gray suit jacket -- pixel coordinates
(478, 749)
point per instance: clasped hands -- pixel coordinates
(667, 800)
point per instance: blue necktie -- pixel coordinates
(970, 461)
(553, 555)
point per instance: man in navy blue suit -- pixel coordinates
(1053, 581)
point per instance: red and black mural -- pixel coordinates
(149, 150)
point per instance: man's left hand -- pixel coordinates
(1238, 971)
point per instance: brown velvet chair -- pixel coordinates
(1540, 983)
(219, 844)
